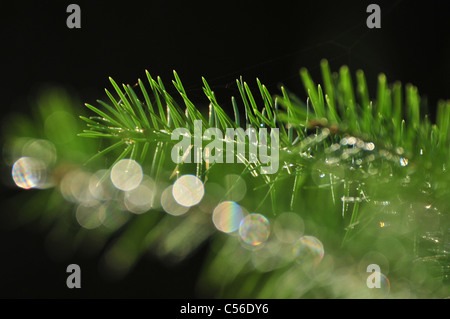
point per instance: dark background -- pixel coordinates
(219, 40)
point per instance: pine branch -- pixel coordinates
(361, 174)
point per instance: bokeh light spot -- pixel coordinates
(40, 149)
(254, 229)
(90, 217)
(236, 187)
(28, 172)
(169, 204)
(74, 187)
(126, 174)
(100, 186)
(114, 217)
(227, 216)
(188, 190)
(288, 227)
(140, 199)
(308, 250)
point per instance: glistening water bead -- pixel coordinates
(308, 249)
(403, 161)
(254, 229)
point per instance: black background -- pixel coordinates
(220, 40)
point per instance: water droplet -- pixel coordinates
(369, 146)
(351, 199)
(350, 152)
(324, 174)
(325, 132)
(431, 237)
(333, 148)
(188, 190)
(254, 229)
(405, 181)
(309, 250)
(399, 150)
(126, 174)
(403, 161)
(332, 160)
(360, 143)
(227, 216)
(381, 203)
(351, 140)
(386, 154)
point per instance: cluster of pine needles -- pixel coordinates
(367, 176)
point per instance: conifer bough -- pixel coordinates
(361, 181)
